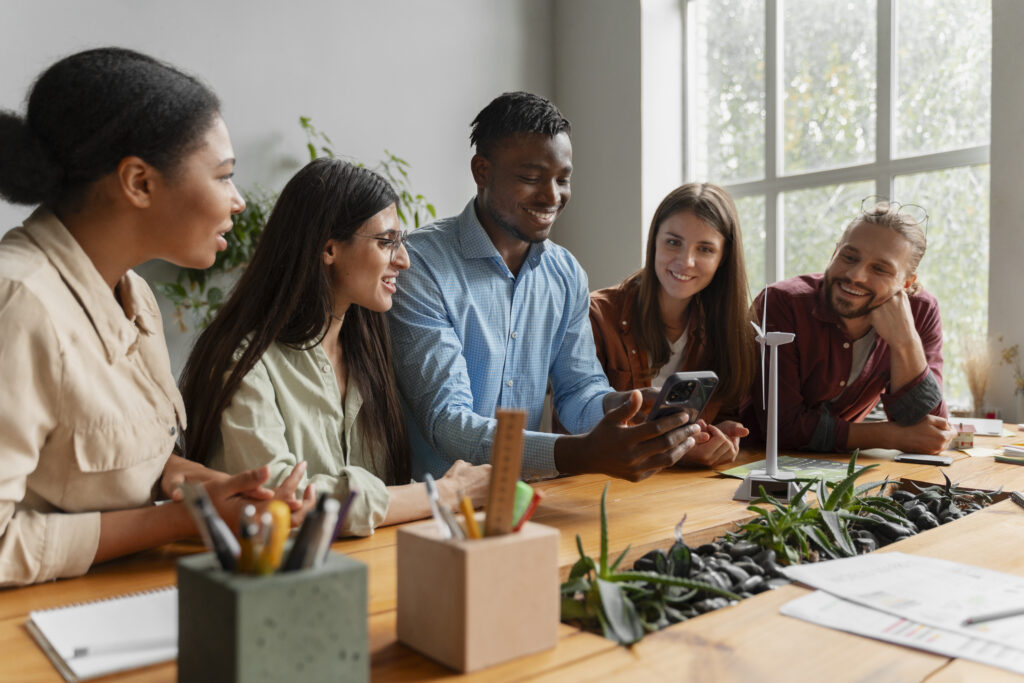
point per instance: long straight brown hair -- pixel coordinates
(718, 317)
(285, 295)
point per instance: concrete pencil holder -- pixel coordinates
(303, 625)
(475, 603)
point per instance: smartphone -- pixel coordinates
(923, 459)
(685, 392)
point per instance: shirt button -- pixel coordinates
(173, 430)
(633, 351)
(846, 345)
(325, 368)
(513, 335)
(623, 323)
(842, 382)
(509, 382)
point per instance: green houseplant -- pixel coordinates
(198, 294)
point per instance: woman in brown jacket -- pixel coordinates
(686, 309)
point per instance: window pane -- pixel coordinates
(829, 84)
(726, 90)
(752, 232)
(955, 267)
(814, 219)
(944, 75)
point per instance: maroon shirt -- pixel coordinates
(814, 369)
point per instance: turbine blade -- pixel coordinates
(764, 330)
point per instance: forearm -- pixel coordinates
(870, 435)
(407, 502)
(123, 532)
(907, 361)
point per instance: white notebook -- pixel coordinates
(98, 638)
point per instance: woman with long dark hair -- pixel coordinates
(686, 309)
(296, 366)
(127, 159)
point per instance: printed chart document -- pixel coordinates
(827, 610)
(97, 638)
(917, 601)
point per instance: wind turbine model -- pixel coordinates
(778, 483)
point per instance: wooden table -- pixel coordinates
(750, 640)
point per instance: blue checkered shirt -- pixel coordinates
(470, 337)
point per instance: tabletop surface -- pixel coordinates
(746, 641)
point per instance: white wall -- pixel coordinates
(402, 74)
(1006, 264)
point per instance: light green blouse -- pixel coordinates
(288, 409)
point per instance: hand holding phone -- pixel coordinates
(687, 392)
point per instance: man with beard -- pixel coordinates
(490, 312)
(864, 330)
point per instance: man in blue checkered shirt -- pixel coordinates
(490, 311)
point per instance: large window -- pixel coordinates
(802, 108)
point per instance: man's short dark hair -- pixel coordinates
(515, 112)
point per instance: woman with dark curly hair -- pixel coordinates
(128, 159)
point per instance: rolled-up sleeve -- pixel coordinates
(370, 504)
(34, 546)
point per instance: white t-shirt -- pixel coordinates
(675, 359)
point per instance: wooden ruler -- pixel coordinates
(506, 461)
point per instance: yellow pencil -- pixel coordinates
(472, 528)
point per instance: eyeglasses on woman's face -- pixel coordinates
(392, 240)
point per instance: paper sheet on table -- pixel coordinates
(981, 451)
(982, 426)
(827, 610)
(938, 593)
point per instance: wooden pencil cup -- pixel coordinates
(307, 625)
(475, 603)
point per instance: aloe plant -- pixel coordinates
(626, 604)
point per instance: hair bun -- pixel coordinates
(28, 174)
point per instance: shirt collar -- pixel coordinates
(118, 328)
(476, 243)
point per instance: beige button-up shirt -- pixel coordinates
(89, 410)
(288, 409)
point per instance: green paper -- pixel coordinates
(803, 468)
(524, 494)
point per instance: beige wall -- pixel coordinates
(597, 85)
(1006, 264)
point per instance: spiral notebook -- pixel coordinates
(98, 638)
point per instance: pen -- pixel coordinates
(472, 528)
(247, 531)
(346, 505)
(328, 520)
(456, 530)
(212, 528)
(992, 616)
(122, 647)
(435, 509)
(306, 538)
(270, 557)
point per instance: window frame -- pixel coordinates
(883, 170)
